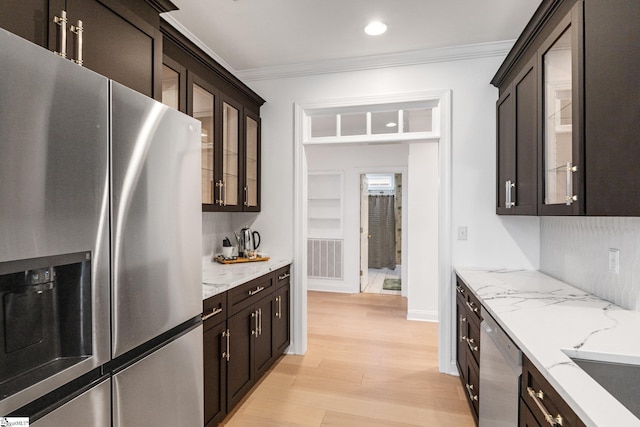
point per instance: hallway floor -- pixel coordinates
(365, 366)
(376, 279)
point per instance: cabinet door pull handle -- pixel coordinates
(570, 196)
(508, 186)
(78, 30)
(205, 317)
(62, 23)
(260, 321)
(226, 354)
(460, 289)
(246, 196)
(224, 192)
(537, 398)
(284, 276)
(220, 201)
(472, 306)
(279, 307)
(256, 290)
(470, 392)
(461, 328)
(254, 315)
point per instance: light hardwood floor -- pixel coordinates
(366, 365)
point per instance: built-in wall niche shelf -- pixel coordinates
(324, 204)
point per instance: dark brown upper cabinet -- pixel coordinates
(251, 175)
(120, 40)
(586, 109)
(612, 107)
(230, 115)
(560, 106)
(517, 144)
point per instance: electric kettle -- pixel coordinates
(250, 240)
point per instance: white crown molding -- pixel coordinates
(188, 34)
(455, 53)
(416, 57)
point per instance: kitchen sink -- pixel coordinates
(619, 379)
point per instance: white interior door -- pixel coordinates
(364, 232)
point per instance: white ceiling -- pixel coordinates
(259, 34)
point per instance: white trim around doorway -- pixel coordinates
(299, 292)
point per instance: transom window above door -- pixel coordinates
(372, 123)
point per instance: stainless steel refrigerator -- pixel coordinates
(100, 196)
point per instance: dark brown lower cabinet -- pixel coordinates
(468, 345)
(264, 355)
(281, 319)
(215, 374)
(461, 344)
(539, 397)
(240, 372)
(240, 348)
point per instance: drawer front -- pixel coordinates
(545, 397)
(472, 337)
(245, 295)
(472, 387)
(214, 310)
(282, 276)
(473, 307)
(461, 289)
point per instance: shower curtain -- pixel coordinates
(382, 224)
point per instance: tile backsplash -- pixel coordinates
(215, 227)
(218, 225)
(576, 251)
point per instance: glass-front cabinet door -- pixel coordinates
(229, 182)
(230, 144)
(202, 106)
(562, 144)
(252, 162)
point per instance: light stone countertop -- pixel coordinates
(549, 320)
(217, 278)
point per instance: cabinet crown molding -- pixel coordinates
(541, 16)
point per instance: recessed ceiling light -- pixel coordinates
(375, 28)
(391, 125)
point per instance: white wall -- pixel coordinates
(493, 241)
(422, 212)
(353, 160)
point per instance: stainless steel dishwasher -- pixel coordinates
(500, 371)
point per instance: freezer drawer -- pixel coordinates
(163, 389)
(91, 408)
(156, 218)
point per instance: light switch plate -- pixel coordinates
(614, 260)
(462, 232)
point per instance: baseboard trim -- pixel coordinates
(423, 315)
(323, 287)
(452, 369)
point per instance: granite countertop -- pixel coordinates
(549, 320)
(217, 278)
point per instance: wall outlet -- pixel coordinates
(614, 260)
(462, 232)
